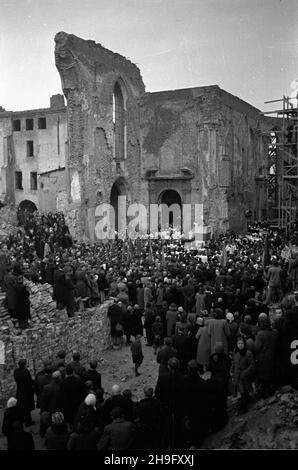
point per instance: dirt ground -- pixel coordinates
(116, 367)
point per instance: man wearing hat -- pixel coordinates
(43, 378)
(22, 308)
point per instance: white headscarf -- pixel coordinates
(90, 400)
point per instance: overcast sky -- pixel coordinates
(247, 47)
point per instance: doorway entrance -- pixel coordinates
(170, 211)
(119, 188)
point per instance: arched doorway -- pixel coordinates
(27, 206)
(118, 189)
(170, 210)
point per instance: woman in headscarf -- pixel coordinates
(87, 411)
(243, 368)
(57, 434)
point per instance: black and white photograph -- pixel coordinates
(149, 229)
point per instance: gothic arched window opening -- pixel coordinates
(119, 123)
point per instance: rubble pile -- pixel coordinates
(8, 221)
(269, 424)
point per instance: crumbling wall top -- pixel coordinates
(77, 59)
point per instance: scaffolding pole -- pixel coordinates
(282, 166)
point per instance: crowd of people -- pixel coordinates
(220, 321)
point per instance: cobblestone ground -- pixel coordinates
(116, 367)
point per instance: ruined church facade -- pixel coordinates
(191, 146)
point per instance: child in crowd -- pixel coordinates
(242, 371)
(137, 353)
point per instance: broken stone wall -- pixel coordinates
(202, 142)
(181, 150)
(52, 191)
(242, 155)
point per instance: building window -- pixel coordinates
(29, 124)
(30, 148)
(17, 125)
(19, 180)
(119, 122)
(42, 123)
(33, 180)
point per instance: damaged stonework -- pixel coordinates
(192, 146)
(89, 74)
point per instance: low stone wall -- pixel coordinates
(87, 332)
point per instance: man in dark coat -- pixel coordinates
(136, 321)
(118, 435)
(219, 366)
(43, 378)
(10, 286)
(102, 284)
(115, 401)
(51, 397)
(60, 360)
(4, 262)
(78, 369)
(11, 414)
(69, 295)
(73, 393)
(265, 347)
(197, 404)
(20, 439)
(127, 323)
(93, 375)
(25, 391)
(49, 271)
(115, 314)
(170, 392)
(182, 343)
(164, 354)
(22, 308)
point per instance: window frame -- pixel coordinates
(27, 124)
(42, 119)
(13, 125)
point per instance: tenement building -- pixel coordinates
(201, 147)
